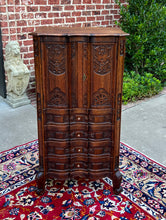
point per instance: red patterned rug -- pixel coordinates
(143, 196)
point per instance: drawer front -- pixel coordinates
(101, 116)
(58, 163)
(100, 148)
(54, 116)
(54, 132)
(100, 131)
(57, 147)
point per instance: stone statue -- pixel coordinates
(17, 75)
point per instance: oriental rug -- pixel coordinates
(143, 196)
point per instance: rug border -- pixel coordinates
(160, 164)
(1, 152)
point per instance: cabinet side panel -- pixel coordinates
(40, 118)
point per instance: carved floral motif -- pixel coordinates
(57, 98)
(102, 59)
(57, 57)
(101, 97)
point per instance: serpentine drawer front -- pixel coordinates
(79, 74)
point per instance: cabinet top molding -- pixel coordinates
(78, 31)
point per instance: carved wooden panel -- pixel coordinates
(102, 59)
(101, 97)
(57, 98)
(56, 62)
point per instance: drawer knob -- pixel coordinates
(78, 135)
(78, 118)
(79, 150)
(78, 165)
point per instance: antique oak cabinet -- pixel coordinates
(79, 90)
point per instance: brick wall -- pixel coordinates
(20, 17)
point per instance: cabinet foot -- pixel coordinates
(117, 178)
(40, 179)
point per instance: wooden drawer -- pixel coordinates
(58, 163)
(100, 147)
(57, 147)
(78, 115)
(100, 131)
(53, 132)
(78, 146)
(101, 115)
(53, 116)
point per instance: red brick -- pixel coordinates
(27, 29)
(32, 8)
(57, 8)
(80, 19)
(13, 37)
(70, 20)
(113, 11)
(51, 2)
(45, 8)
(58, 20)
(40, 2)
(99, 18)
(27, 42)
(3, 2)
(24, 49)
(90, 7)
(17, 2)
(87, 2)
(91, 18)
(40, 15)
(20, 9)
(53, 15)
(108, 17)
(85, 13)
(17, 16)
(76, 13)
(116, 6)
(5, 31)
(13, 31)
(10, 2)
(65, 14)
(12, 24)
(108, 6)
(97, 1)
(105, 23)
(22, 23)
(76, 1)
(99, 6)
(95, 12)
(3, 9)
(26, 62)
(94, 24)
(46, 21)
(11, 8)
(80, 7)
(105, 12)
(106, 1)
(64, 2)
(69, 7)
(11, 16)
(116, 16)
(5, 38)
(31, 61)
(28, 55)
(3, 16)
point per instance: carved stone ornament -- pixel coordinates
(17, 75)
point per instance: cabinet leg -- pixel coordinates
(40, 179)
(117, 178)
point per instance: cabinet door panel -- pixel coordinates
(56, 75)
(102, 74)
